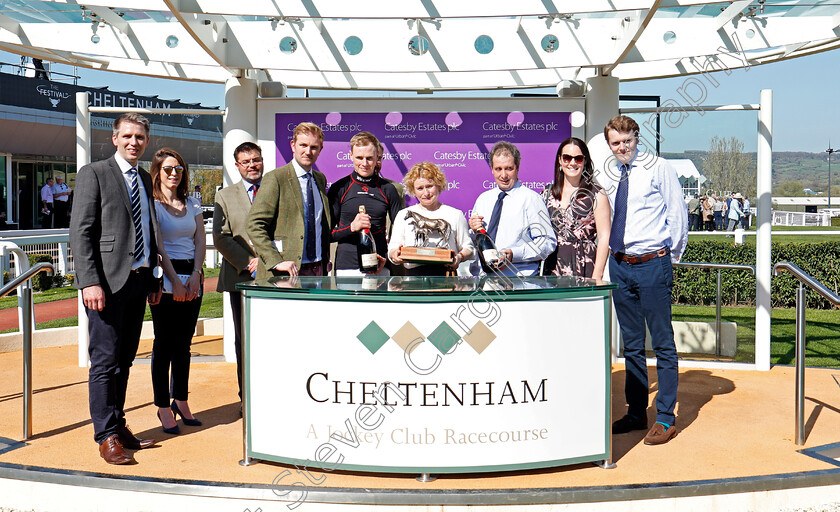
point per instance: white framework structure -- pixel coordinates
(267, 46)
(419, 45)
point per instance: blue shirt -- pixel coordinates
(656, 212)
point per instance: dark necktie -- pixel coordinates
(620, 215)
(309, 242)
(253, 190)
(493, 227)
(134, 192)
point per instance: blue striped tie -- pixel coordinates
(135, 213)
(620, 215)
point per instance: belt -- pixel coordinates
(311, 265)
(635, 260)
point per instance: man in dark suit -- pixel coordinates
(230, 235)
(112, 233)
(289, 223)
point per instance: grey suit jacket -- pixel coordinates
(230, 235)
(102, 229)
(277, 216)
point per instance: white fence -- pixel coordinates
(782, 218)
(54, 242)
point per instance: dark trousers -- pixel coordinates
(47, 220)
(174, 324)
(693, 222)
(719, 220)
(236, 312)
(114, 336)
(644, 295)
(60, 218)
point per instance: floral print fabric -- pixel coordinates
(575, 230)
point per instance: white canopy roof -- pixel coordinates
(686, 169)
(417, 44)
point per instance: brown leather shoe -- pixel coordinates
(132, 443)
(659, 435)
(113, 452)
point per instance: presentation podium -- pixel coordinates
(427, 374)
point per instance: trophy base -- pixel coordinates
(427, 255)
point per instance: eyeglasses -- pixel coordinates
(246, 163)
(568, 158)
(169, 168)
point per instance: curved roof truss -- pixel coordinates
(417, 44)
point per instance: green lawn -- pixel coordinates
(787, 239)
(822, 332)
(211, 304)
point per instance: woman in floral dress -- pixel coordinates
(580, 214)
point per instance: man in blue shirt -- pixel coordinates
(514, 216)
(649, 233)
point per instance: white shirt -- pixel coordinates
(59, 188)
(524, 228)
(319, 207)
(47, 193)
(459, 237)
(144, 209)
(656, 213)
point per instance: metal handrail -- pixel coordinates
(26, 329)
(29, 274)
(719, 267)
(804, 278)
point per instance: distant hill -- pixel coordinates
(810, 169)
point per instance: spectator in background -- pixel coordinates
(718, 212)
(61, 195)
(708, 205)
(47, 204)
(733, 212)
(694, 208)
(745, 214)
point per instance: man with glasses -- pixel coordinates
(649, 233)
(230, 236)
(289, 223)
(514, 216)
(112, 234)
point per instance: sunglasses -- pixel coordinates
(169, 168)
(568, 158)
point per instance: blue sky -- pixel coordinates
(804, 92)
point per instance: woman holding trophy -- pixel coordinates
(429, 227)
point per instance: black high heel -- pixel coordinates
(174, 430)
(187, 421)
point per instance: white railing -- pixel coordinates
(55, 243)
(782, 218)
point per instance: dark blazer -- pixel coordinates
(230, 235)
(102, 229)
(277, 215)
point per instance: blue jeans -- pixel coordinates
(644, 295)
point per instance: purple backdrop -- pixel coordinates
(457, 142)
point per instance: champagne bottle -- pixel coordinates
(369, 262)
(488, 255)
